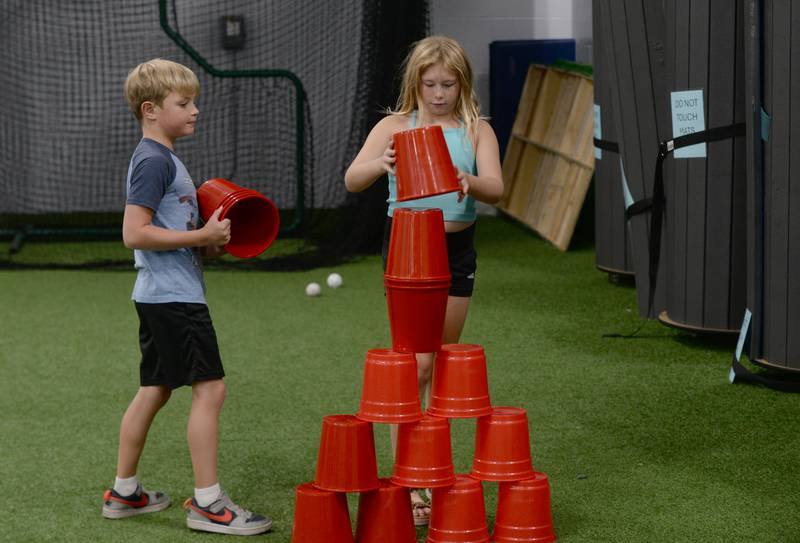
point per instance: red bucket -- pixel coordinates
(418, 246)
(320, 516)
(254, 218)
(423, 167)
(502, 446)
(390, 393)
(417, 280)
(523, 512)
(458, 514)
(460, 387)
(384, 515)
(346, 457)
(424, 458)
(416, 315)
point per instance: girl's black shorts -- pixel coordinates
(460, 252)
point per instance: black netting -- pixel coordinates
(66, 134)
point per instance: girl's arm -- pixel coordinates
(487, 186)
(375, 158)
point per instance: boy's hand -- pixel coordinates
(217, 231)
(387, 159)
(464, 182)
(212, 251)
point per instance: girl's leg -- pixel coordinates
(135, 424)
(455, 317)
(203, 429)
(424, 371)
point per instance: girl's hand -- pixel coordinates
(464, 182)
(388, 159)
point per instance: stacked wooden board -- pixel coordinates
(549, 160)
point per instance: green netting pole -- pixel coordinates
(263, 73)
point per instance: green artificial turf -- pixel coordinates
(643, 439)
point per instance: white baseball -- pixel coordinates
(313, 289)
(334, 280)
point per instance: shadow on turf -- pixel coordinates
(705, 341)
(718, 342)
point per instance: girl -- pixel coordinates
(437, 89)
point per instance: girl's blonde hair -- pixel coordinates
(153, 80)
(425, 53)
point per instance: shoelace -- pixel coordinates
(240, 511)
(226, 502)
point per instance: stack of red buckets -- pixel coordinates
(417, 280)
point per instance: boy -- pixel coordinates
(177, 339)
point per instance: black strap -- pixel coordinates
(712, 134)
(742, 374)
(656, 203)
(638, 207)
(607, 145)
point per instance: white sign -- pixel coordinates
(688, 116)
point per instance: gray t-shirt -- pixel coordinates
(159, 181)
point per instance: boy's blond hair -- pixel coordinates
(447, 51)
(153, 80)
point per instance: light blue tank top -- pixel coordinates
(463, 158)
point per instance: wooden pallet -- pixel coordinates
(549, 160)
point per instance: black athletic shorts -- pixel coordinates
(178, 343)
(460, 253)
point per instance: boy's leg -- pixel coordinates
(121, 501)
(203, 429)
(135, 424)
(221, 515)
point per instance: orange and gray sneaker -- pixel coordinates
(140, 502)
(224, 517)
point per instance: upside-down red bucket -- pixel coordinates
(460, 387)
(346, 457)
(458, 514)
(523, 512)
(424, 457)
(390, 393)
(320, 516)
(384, 515)
(254, 218)
(417, 280)
(423, 166)
(502, 446)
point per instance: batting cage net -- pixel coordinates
(289, 90)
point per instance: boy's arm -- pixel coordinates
(138, 232)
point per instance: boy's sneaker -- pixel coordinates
(224, 517)
(140, 502)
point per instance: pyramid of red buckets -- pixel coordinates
(417, 280)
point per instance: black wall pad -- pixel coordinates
(612, 243)
(705, 214)
(635, 29)
(774, 200)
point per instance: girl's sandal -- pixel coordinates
(420, 508)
